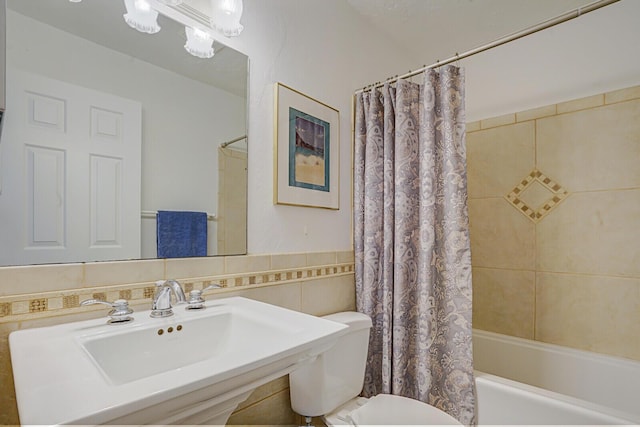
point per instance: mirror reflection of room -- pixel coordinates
(106, 127)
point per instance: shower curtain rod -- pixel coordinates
(240, 138)
(504, 40)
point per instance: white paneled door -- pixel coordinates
(70, 173)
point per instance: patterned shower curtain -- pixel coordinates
(413, 259)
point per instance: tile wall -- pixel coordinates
(232, 198)
(554, 206)
(315, 283)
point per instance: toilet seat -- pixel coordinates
(386, 409)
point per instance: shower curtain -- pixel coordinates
(412, 250)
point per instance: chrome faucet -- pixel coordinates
(161, 306)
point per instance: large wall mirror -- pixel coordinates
(105, 126)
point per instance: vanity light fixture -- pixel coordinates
(225, 16)
(199, 43)
(141, 16)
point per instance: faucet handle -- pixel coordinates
(120, 312)
(196, 302)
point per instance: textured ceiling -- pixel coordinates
(437, 29)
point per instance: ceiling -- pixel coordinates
(432, 30)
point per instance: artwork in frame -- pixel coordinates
(307, 146)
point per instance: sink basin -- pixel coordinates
(193, 367)
(188, 341)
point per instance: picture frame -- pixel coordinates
(306, 151)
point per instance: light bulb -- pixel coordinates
(228, 6)
(199, 43)
(141, 16)
(143, 5)
(225, 16)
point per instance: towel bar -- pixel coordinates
(152, 214)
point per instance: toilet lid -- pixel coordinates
(393, 410)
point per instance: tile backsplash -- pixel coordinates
(554, 209)
(317, 283)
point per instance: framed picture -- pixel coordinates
(306, 171)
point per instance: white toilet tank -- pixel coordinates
(337, 375)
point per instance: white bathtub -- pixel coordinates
(527, 382)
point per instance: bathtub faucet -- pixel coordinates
(161, 306)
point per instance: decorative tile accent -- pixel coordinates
(43, 304)
(535, 187)
(125, 294)
(70, 301)
(5, 309)
(37, 305)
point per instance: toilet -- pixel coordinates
(329, 386)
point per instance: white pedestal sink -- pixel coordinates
(192, 368)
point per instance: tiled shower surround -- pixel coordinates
(34, 296)
(554, 207)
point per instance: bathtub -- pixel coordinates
(527, 382)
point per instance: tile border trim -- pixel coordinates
(15, 308)
(567, 107)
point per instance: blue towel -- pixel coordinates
(181, 234)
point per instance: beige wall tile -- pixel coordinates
(536, 113)
(325, 296)
(501, 237)
(498, 159)
(594, 149)
(506, 119)
(504, 301)
(274, 410)
(622, 95)
(241, 264)
(594, 313)
(264, 391)
(473, 126)
(321, 258)
(8, 407)
(182, 268)
(345, 257)
(580, 104)
(287, 295)
(119, 272)
(284, 261)
(595, 233)
(40, 278)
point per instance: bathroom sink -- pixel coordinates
(139, 352)
(193, 367)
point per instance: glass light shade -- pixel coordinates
(141, 16)
(199, 43)
(225, 16)
(75, 1)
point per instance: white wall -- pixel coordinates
(321, 48)
(595, 53)
(180, 116)
(325, 50)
